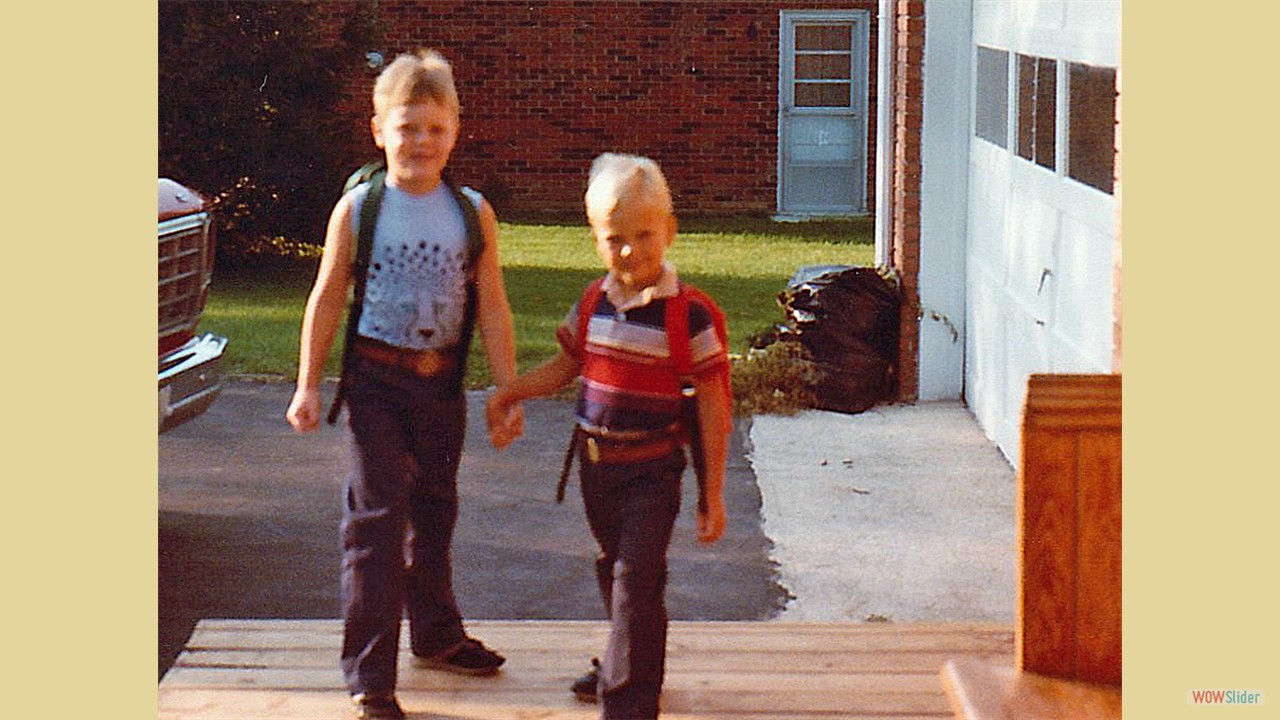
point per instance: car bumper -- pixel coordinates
(190, 379)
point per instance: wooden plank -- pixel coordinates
(709, 693)
(817, 662)
(555, 678)
(263, 705)
(986, 691)
(251, 704)
(590, 636)
(716, 671)
(569, 628)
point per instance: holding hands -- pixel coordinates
(503, 411)
(505, 418)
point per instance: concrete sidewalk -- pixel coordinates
(900, 513)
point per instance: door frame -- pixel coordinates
(860, 94)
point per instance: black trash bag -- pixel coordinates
(847, 319)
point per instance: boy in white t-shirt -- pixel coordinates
(402, 385)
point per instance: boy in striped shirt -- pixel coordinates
(628, 416)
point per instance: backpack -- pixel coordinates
(375, 174)
(676, 323)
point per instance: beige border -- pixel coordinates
(1201, 258)
(79, 298)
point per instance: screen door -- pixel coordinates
(823, 113)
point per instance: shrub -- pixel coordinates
(777, 379)
(247, 99)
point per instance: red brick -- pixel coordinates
(552, 85)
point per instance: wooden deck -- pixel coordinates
(285, 669)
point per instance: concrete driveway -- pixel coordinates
(900, 513)
(249, 510)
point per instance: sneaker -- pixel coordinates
(377, 706)
(587, 687)
(469, 657)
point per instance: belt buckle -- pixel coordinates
(428, 363)
(593, 450)
(424, 364)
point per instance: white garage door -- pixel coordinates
(1042, 214)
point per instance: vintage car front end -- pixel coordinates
(189, 366)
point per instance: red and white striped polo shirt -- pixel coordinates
(630, 387)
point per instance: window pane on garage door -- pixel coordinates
(1091, 127)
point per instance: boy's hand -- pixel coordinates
(504, 418)
(711, 523)
(304, 410)
(495, 412)
(509, 428)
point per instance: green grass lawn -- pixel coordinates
(742, 262)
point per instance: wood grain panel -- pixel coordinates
(1098, 597)
(1069, 519)
(1047, 535)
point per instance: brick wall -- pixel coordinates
(546, 86)
(908, 109)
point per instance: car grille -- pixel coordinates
(184, 272)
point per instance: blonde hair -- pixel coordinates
(617, 177)
(413, 77)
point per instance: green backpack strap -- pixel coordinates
(375, 173)
(470, 216)
(360, 267)
(364, 174)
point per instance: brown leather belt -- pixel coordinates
(601, 451)
(424, 363)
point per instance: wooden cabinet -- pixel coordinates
(1069, 525)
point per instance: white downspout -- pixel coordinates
(886, 31)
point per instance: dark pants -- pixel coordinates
(397, 525)
(631, 510)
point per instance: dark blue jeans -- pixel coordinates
(398, 521)
(631, 510)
